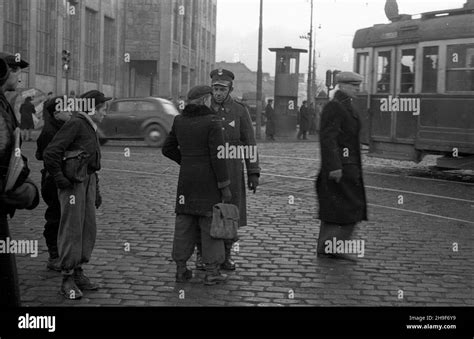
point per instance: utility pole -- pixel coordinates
(310, 50)
(259, 76)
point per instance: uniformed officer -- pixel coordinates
(238, 130)
(24, 193)
(340, 186)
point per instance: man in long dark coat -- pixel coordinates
(340, 186)
(238, 130)
(203, 182)
(270, 115)
(304, 121)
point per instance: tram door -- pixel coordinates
(394, 108)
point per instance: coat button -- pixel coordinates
(223, 118)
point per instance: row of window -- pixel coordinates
(459, 75)
(16, 39)
(189, 11)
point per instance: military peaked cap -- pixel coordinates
(222, 77)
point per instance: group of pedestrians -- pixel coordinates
(210, 119)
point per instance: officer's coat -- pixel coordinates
(238, 130)
(343, 202)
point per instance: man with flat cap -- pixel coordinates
(77, 227)
(340, 186)
(23, 194)
(238, 130)
(203, 182)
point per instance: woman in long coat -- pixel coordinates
(340, 186)
(27, 109)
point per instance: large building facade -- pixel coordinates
(123, 48)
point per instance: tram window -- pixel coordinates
(383, 72)
(460, 68)
(363, 69)
(430, 69)
(407, 63)
(283, 66)
(292, 65)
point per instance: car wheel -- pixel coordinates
(155, 135)
(102, 141)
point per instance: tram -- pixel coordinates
(417, 97)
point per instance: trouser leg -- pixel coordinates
(184, 240)
(49, 192)
(89, 231)
(328, 231)
(212, 249)
(9, 287)
(71, 225)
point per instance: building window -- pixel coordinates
(407, 66)
(203, 37)
(209, 42)
(214, 13)
(194, 31)
(72, 29)
(430, 70)
(384, 66)
(46, 37)
(16, 27)
(363, 69)
(176, 20)
(109, 51)
(92, 46)
(460, 68)
(186, 21)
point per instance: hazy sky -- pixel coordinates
(285, 20)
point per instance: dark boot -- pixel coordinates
(213, 276)
(183, 274)
(84, 282)
(228, 264)
(69, 289)
(199, 264)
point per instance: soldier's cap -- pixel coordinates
(199, 91)
(349, 78)
(11, 60)
(222, 77)
(99, 97)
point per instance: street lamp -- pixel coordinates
(66, 60)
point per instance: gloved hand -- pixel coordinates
(336, 175)
(252, 182)
(226, 194)
(98, 199)
(62, 182)
(25, 196)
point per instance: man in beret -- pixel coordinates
(203, 182)
(53, 121)
(340, 186)
(24, 195)
(238, 130)
(77, 226)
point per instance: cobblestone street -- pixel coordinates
(417, 253)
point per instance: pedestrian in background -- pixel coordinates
(77, 226)
(270, 116)
(24, 195)
(340, 186)
(203, 182)
(53, 121)
(27, 109)
(312, 115)
(303, 121)
(238, 131)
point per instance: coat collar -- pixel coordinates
(193, 110)
(346, 102)
(88, 119)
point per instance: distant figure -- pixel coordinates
(312, 119)
(303, 121)
(270, 115)
(27, 109)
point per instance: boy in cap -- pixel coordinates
(23, 195)
(77, 227)
(53, 121)
(203, 182)
(238, 131)
(340, 187)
